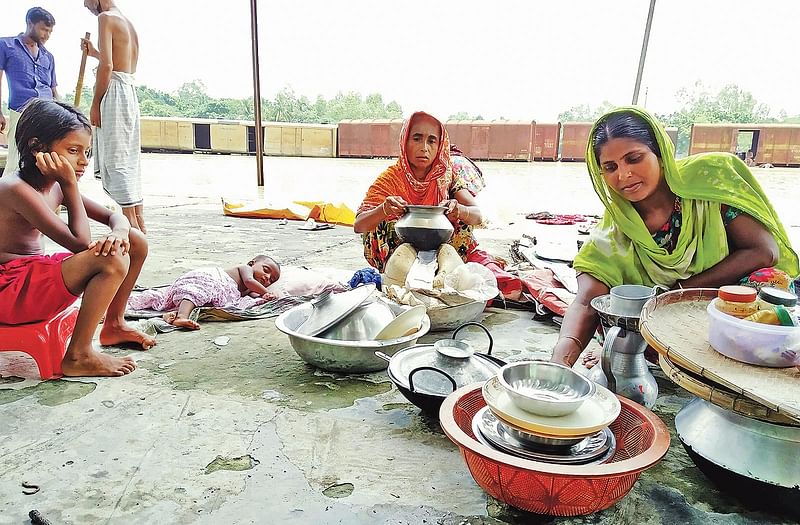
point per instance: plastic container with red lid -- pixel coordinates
(738, 301)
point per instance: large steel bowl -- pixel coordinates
(451, 317)
(544, 388)
(349, 357)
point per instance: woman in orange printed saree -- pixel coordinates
(426, 174)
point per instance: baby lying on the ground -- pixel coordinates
(209, 287)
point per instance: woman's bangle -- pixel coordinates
(383, 209)
(573, 339)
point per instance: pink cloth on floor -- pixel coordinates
(203, 287)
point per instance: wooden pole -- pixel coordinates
(79, 87)
(257, 95)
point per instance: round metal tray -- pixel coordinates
(596, 448)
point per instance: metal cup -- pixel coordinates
(628, 299)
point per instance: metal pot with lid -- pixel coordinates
(426, 374)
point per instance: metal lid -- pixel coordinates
(784, 317)
(330, 309)
(454, 358)
(778, 296)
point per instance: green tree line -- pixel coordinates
(698, 104)
(192, 101)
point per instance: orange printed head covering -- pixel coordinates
(399, 179)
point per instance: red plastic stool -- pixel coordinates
(46, 341)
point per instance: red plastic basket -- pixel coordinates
(547, 488)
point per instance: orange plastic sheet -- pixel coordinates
(320, 211)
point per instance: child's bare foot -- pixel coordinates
(115, 334)
(181, 322)
(95, 364)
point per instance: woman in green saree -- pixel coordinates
(703, 221)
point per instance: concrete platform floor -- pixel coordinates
(248, 433)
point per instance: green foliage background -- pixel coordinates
(697, 104)
(192, 100)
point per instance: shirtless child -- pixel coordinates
(53, 140)
(115, 109)
(212, 286)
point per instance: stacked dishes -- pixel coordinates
(546, 412)
(555, 489)
(341, 332)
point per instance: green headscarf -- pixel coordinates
(622, 251)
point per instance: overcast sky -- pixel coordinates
(515, 59)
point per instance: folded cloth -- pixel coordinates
(542, 285)
(366, 276)
(265, 310)
(32, 289)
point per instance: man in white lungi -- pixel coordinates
(115, 109)
(31, 73)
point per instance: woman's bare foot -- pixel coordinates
(114, 334)
(181, 322)
(590, 359)
(94, 364)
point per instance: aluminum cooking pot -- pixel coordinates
(753, 460)
(426, 374)
(425, 227)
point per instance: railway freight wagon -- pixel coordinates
(286, 139)
(574, 137)
(231, 136)
(470, 136)
(511, 140)
(545, 141)
(777, 144)
(369, 138)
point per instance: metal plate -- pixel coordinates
(596, 413)
(597, 448)
(333, 309)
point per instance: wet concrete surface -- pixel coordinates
(249, 433)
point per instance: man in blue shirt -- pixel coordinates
(31, 72)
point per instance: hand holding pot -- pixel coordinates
(394, 206)
(451, 206)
